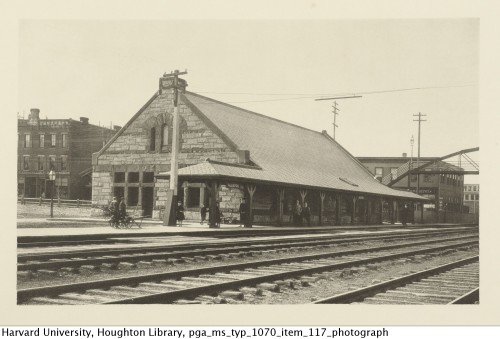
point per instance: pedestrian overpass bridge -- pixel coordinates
(459, 163)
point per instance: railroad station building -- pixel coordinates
(227, 153)
(62, 145)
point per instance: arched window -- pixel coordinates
(164, 135)
(152, 139)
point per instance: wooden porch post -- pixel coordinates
(381, 210)
(281, 198)
(303, 194)
(251, 190)
(212, 188)
(368, 210)
(392, 211)
(321, 207)
(353, 214)
(338, 217)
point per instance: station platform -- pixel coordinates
(92, 226)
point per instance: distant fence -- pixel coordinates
(57, 202)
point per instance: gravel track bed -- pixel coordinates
(69, 276)
(337, 282)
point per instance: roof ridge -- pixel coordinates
(252, 112)
(328, 137)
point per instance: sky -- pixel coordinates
(107, 70)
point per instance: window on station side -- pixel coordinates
(133, 177)
(119, 191)
(133, 196)
(53, 140)
(148, 177)
(152, 139)
(166, 136)
(193, 197)
(119, 177)
(427, 178)
(413, 177)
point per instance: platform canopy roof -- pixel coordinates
(281, 153)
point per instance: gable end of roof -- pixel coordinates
(95, 156)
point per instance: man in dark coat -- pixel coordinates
(243, 213)
(306, 213)
(203, 214)
(404, 214)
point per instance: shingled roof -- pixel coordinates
(282, 152)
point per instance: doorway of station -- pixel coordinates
(147, 201)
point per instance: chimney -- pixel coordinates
(243, 157)
(404, 155)
(84, 120)
(34, 117)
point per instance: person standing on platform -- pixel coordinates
(218, 215)
(297, 214)
(113, 211)
(180, 212)
(243, 213)
(122, 209)
(203, 214)
(306, 213)
(404, 214)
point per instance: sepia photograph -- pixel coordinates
(291, 163)
(248, 162)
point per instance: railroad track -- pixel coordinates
(196, 285)
(92, 260)
(453, 283)
(110, 238)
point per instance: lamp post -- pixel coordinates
(52, 177)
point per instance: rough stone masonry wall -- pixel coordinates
(131, 150)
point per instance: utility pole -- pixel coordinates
(172, 81)
(335, 113)
(336, 110)
(420, 115)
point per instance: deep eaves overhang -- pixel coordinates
(224, 177)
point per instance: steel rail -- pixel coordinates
(362, 293)
(212, 251)
(55, 290)
(22, 258)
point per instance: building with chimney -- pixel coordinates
(444, 190)
(227, 153)
(62, 145)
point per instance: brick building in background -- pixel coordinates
(443, 190)
(62, 145)
(471, 197)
